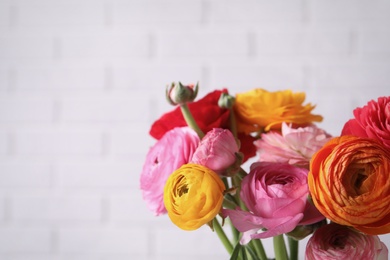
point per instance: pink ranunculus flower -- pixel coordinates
(173, 150)
(334, 241)
(276, 197)
(371, 120)
(293, 146)
(218, 151)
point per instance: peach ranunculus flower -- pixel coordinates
(349, 181)
(336, 242)
(193, 196)
(293, 145)
(260, 110)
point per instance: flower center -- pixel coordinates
(182, 187)
(338, 241)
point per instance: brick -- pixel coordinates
(24, 174)
(4, 80)
(203, 44)
(241, 77)
(152, 77)
(131, 142)
(4, 14)
(233, 11)
(105, 45)
(55, 143)
(61, 13)
(99, 174)
(353, 75)
(375, 43)
(152, 12)
(25, 109)
(13, 46)
(303, 43)
(3, 209)
(49, 208)
(4, 143)
(61, 77)
(175, 242)
(336, 11)
(107, 109)
(24, 239)
(103, 240)
(123, 205)
(334, 104)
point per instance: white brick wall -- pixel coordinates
(81, 81)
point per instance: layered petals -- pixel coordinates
(276, 197)
(335, 242)
(218, 151)
(293, 145)
(260, 110)
(173, 150)
(372, 121)
(349, 182)
(193, 196)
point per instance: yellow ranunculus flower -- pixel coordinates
(261, 110)
(193, 196)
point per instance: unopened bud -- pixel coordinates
(177, 93)
(226, 101)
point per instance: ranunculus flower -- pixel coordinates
(294, 145)
(276, 197)
(349, 182)
(173, 150)
(218, 150)
(260, 110)
(336, 242)
(372, 120)
(193, 196)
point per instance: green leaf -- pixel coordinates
(252, 253)
(236, 252)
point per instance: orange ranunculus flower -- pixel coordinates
(193, 196)
(349, 181)
(261, 110)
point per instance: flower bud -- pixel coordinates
(178, 94)
(226, 101)
(218, 151)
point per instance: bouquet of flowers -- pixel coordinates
(302, 182)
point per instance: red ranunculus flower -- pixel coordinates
(208, 115)
(371, 120)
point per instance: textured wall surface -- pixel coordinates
(82, 80)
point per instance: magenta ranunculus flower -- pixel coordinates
(337, 242)
(218, 150)
(293, 146)
(276, 197)
(371, 120)
(173, 150)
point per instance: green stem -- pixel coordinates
(236, 234)
(259, 249)
(222, 236)
(190, 120)
(280, 248)
(293, 245)
(233, 123)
